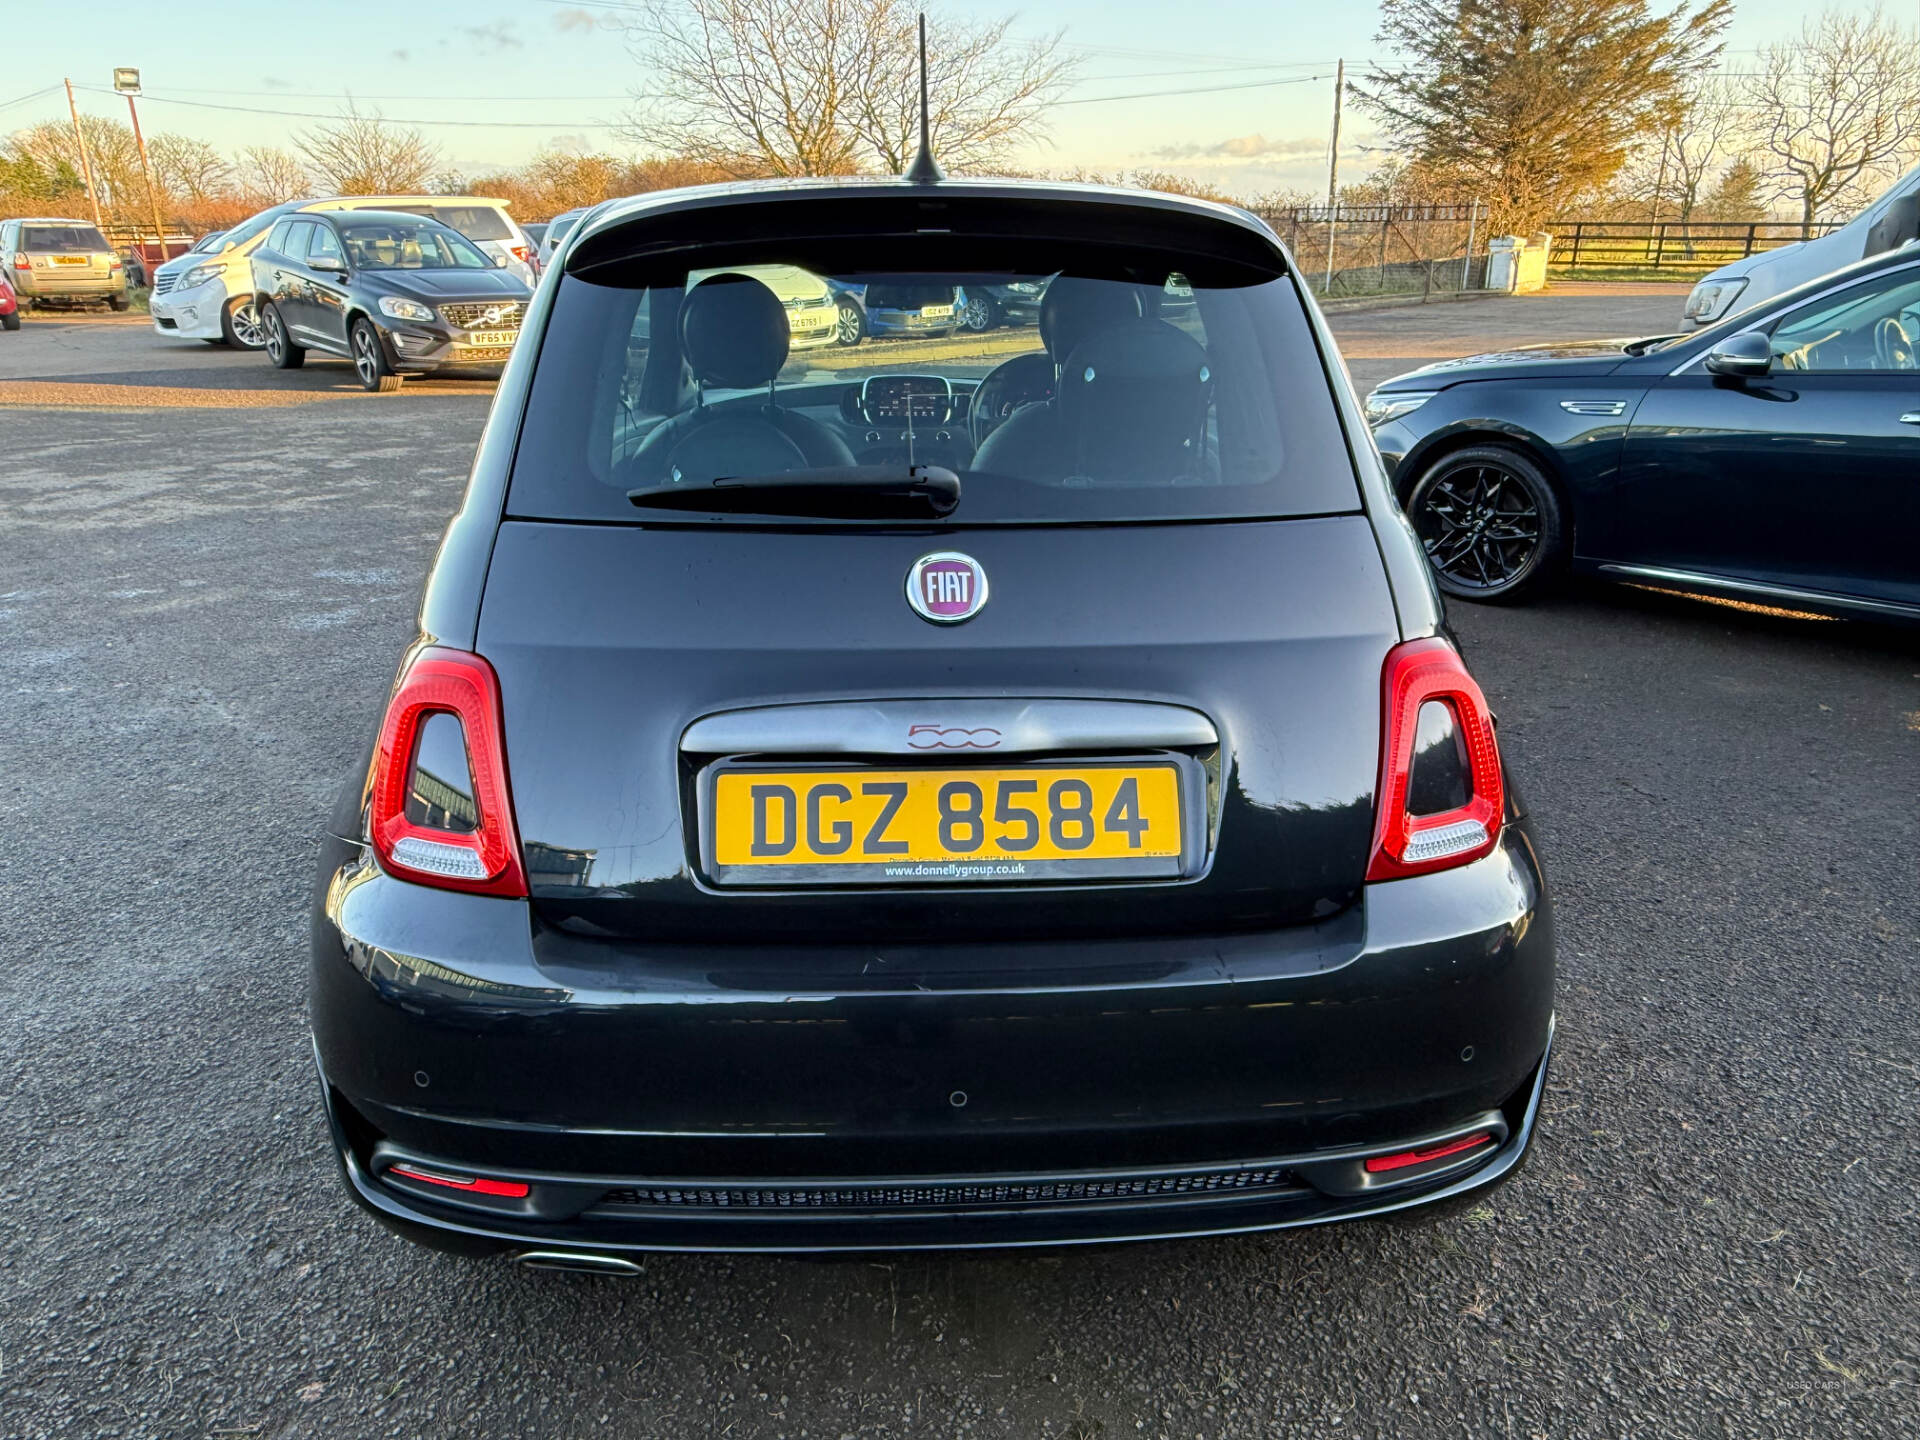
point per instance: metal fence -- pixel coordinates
(1670, 244)
(1385, 249)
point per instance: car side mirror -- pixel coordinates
(328, 262)
(1746, 355)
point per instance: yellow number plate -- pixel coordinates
(1032, 822)
(492, 338)
(71, 260)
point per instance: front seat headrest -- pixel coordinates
(1134, 399)
(734, 332)
(1075, 307)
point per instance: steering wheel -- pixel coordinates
(1020, 381)
(1892, 346)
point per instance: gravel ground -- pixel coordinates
(1716, 1236)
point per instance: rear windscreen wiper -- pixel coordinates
(830, 491)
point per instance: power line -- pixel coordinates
(1198, 89)
(31, 95)
(390, 119)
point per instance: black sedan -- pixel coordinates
(396, 294)
(1773, 458)
(808, 821)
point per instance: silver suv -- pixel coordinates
(66, 261)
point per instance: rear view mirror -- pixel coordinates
(327, 262)
(1747, 354)
(1899, 226)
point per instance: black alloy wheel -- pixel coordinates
(852, 324)
(280, 348)
(369, 360)
(1491, 524)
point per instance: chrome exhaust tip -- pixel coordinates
(578, 1261)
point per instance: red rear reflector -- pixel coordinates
(486, 859)
(1405, 844)
(472, 1184)
(1402, 1159)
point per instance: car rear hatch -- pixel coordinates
(65, 255)
(1173, 685)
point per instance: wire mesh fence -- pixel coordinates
(1385, 249)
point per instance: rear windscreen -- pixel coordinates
(63, 239)
(476, 222)
(1062, 382)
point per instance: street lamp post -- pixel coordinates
(127, 81)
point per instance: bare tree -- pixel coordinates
(189, 169)
(1836, 109)
(362, 154)
(110, 148)
(270, 175)
(830, 87)
(986, 92)
(1672, 172)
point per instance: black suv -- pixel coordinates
(1031, 797)
(397, 294)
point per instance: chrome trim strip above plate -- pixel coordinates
(950, 727)
(1760, 589)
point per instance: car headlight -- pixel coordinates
(400, 309)
(200, 274)
(1385, 405)
(1713, 298)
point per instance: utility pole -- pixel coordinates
(86, 165)
(127, 82)
(1333, 169)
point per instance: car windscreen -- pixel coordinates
(1156, 385)
(389, 245)
(210, 241)
(62, 239)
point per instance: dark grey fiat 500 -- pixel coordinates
(1009, 789)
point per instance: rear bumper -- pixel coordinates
(1182, 1087)
(51, 285)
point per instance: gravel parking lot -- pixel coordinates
(202, 593)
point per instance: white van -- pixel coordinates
(1888, 223)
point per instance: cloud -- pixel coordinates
(568, 20)
(1247, 147)
(497, 36)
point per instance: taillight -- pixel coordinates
(440, 812)
(21, 260)
(520, 253)
(1441, 794)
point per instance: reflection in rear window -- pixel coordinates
(476, 222)
(63, 239)
(1155, 386)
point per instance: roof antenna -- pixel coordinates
(925, 170)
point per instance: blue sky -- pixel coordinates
(557, 71)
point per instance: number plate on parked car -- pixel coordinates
(71, 260)
(935, 312)
(491, 337)
(862, 825)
